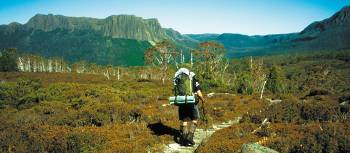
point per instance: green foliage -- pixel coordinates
(8, 60)
(210, 60)
(287, 111)
(319, 110)
(245, 84)
(293, 111)
(5, 94)
(210, 66)
(79, 117)
(84, 142)
(37, 138)
(276, 80)
(77, 45)
(324, 140)
(24, 93)
(212, 85)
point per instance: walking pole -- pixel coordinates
(205, 119)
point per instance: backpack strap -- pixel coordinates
(191, 84)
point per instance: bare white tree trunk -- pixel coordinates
(262, 90)
(43, 66)
(113, 74)
(69, 69)
(106, 74)
(50, 65)
(28, 65)
(59, 66)
(34, 65)
(191, 59)
(182, 57)
(118, 74)
(251, 62)
(20, 64)
(56, 66)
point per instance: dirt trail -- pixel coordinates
(199, 136)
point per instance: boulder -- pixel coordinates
(256, 148)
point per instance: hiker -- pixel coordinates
(186, 84)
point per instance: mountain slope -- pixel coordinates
(77, 45)
(117, 39)
(333, 32)
(330, 34)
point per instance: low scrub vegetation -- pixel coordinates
(72, 112)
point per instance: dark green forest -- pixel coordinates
(73, 46)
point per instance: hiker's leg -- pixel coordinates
(185, 112)
(183, 133)
(192, 130)
(183, 129)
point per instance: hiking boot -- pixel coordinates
(191, 134)
(190, 139)
(183, 136)
(184, 141)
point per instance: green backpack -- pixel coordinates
(183, 85)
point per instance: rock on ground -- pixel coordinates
(256, 148)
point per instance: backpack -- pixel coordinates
(183, 85)
(182, 91)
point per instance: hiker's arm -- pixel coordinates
(200, 95)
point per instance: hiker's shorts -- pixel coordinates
(188, 112)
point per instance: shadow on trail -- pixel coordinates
(160, 129)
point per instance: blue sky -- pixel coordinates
(188, 16)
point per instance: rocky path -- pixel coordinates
(200, 136)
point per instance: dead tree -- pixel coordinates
(162, 55)
(259, 75)
(262, 89)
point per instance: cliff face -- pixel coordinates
(132, 27)
(51, 22)
(116, 26)
(117, 39)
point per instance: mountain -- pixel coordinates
(122, 39)
(330, 34)
(203, 37)
(333, 32)
(117, 39)
(115, 26)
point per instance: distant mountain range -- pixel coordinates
(122, 39)
(330, 34)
